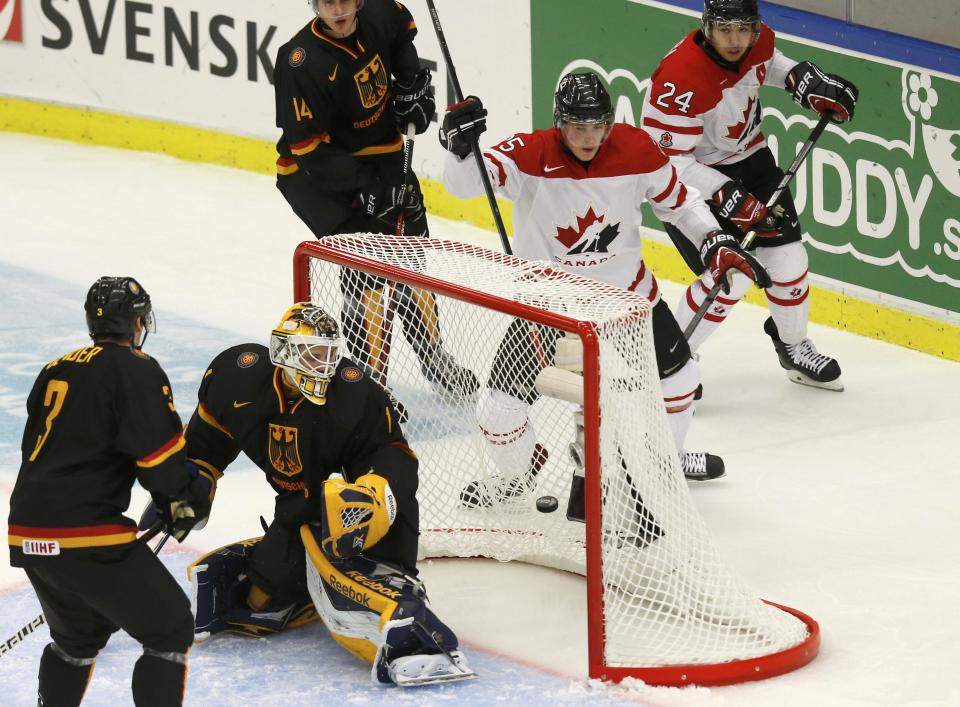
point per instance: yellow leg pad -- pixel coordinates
(364, 605)
(374, 309)
(427, 307)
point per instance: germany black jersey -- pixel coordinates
(98, 418)
(334, 96)
(244, 406)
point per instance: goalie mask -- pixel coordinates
(307, 345)
(728, 13)
(113, 307)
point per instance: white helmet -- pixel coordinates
(307, 345)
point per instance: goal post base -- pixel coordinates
(729, 673)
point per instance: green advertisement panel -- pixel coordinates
(879, 197)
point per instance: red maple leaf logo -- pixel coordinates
(569, 236)
(735, 132)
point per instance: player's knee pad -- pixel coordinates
(374, 611)
(507, 429)
(63, 677)
(159, 679)
(220, 594)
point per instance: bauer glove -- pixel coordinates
(722, 254)
(185, 513)
(355, 516)
(381, 199)
(824, 93)
(736, 204)
(413, 102)
(462, 126)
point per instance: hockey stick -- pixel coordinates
(389, 297)
(771, 202)
(458, 94)
(27, 630)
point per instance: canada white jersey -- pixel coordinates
(698, 111)
(585, 220)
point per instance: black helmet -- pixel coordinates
(581, 98)
(731, 12)
(113, 306)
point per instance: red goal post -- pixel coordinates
(676, 592)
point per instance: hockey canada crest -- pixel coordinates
(588, 241)
(666, 140)
(282, 450)
(371, 82)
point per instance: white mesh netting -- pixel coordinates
(462, 368)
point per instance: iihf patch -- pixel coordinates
(351, 374)
(297, 56)
(666, 140)
(247, 359)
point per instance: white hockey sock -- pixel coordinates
(788, 297)
(695, 295)
(507, 430)
(678, 391)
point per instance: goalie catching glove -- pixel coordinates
(721, 254)
(462, 126)
(189, 512)
(824, 93)
(355, 516)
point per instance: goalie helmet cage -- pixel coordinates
(423, 316)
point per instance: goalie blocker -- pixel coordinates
(376, 612)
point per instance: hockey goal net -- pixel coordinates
(434, 321)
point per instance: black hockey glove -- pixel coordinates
(736, 204)
(463, 124)
(381, 199)
(824, 93)
(181, 515)
(721, 254)
(413, 102)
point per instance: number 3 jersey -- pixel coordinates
(702, 114)
(98, 419)
(582, 218)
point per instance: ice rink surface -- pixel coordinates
(842, 505)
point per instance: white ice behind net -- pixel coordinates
(668, 598)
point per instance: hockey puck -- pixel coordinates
(547, 504)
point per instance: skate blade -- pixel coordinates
(433, 680)
(416, 670)
(797, 377)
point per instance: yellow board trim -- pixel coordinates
(184, 142)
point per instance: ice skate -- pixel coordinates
(804, 365)
(484, 493)
(700, 466)
(445, 375)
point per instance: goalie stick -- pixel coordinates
(771, 202)
(458, 94)
(40, 620)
